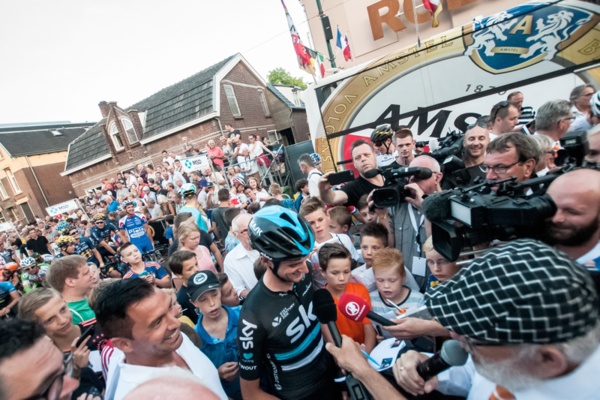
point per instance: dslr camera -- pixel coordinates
(393, 191)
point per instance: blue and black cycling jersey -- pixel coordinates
(280, 337)
(102, 235)
(84, 248)
(6, 288)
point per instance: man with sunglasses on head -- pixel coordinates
(32, 366)
(554, 119)
(504, 118)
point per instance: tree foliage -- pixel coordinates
(280, 76)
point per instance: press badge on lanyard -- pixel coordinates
(419, 264)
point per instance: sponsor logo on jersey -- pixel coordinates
(248, 367)
(276, 321)
(247, 332)
(248, 356)
(295, 330)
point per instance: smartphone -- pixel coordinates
(88, 332)
(340, 177)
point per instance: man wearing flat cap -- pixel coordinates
(528, 317)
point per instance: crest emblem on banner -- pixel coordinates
(525, 35)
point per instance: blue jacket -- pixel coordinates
(223, 351)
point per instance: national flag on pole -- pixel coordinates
(338, 42)
(305, 61)
(347, 52)
(434, 7)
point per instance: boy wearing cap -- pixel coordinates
(217, 327)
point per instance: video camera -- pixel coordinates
(393, 191)
(507, 214)
(449, 152)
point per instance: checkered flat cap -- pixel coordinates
(521, 292)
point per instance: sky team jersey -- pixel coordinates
(151, 268)
(280, 337)
(99, 235)
(134, 226)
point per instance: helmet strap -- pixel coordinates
(275, 269)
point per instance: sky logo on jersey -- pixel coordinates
(248, 330)
(525, 35)
(295, 330)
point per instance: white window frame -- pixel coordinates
(114, 134)
(127, 133)
(231, 99)
(3, 192)
(13, 181)
(263, 101)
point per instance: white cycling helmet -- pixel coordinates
(27, 262)
(188, 189)
(595, 103)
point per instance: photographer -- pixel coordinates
(510, 312)
(407, 221)
(364, 159)
(575, 228)
(512, 154)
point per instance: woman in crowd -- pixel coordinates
(256, 188)
(188, 234)
(140, 186)
(166, 208)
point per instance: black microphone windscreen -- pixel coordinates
(436, 207)
(324, 306)
(372, 173)
(453, 353)
(424, 173)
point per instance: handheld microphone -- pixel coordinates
(452, 354)
(356, 308)
(325, 311)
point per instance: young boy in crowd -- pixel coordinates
(363, 209)
(390, 279)
(169, 232)
(335, 262)
(315, 212)
(441, 269)
(217, 327)
(340, 221)
(303, 193)
(229, 297)
(138, 268)
(373, 238)
(183, 265)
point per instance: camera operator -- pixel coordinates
(504, 116)
(554, 119)
(364, 159)
(407, 220)
(512, 154)
(509, 311)
(575, 228)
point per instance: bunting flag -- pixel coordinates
(305, 61)
(347, 52)
(434, 7)
(338, 42)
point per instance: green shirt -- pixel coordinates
(81, 311)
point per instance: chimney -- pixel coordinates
(103, 108)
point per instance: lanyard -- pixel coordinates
(413, 220)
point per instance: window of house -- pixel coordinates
(263, 101)
(233, 104)
(12, 180)
(130, 131)
(12, 214)
(2, 220)
(297, 100)
(3, 193)
(114, 134)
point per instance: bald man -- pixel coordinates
(407, 221)
(171, 388)
(475, 143)
(575, 228)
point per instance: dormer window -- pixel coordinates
(130, 131)
(114, 134)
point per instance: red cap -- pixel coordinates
(353, 307)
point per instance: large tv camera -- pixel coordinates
(449, 152)
(470, 216)
(393, 191)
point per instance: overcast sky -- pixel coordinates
(60, 58)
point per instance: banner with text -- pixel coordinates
(196, 163)
(62, 208)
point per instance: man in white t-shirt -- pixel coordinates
(307, 166)
(141, 322)
(315, 212)
(239, 262)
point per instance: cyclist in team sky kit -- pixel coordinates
(278, 335)
(138, 231)
(102, 234)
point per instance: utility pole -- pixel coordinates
(327, 31)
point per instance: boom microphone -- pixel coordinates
(326, 312)
(436, 207)
(452, 354)
(372, 173)
(355, 308)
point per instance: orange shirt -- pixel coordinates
(353, 329)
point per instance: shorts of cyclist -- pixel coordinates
(105, 253)
(144, 246)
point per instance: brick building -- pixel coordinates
(229, 92)
(31, 160)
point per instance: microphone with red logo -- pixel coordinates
(355, 308)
